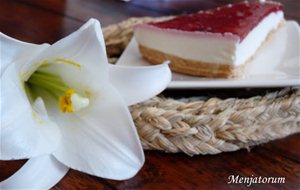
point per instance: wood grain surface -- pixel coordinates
(49, 20)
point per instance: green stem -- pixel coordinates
(55, 94)
(48, 81)
(47, 76)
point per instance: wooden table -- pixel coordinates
(49, 20)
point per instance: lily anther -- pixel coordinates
(68, 99)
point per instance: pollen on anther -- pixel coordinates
(65, 103)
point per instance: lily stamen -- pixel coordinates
(68, 100)
(72, 101)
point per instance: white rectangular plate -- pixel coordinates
(276, 64)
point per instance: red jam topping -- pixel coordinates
(238, 19)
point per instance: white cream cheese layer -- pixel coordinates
(207, 47)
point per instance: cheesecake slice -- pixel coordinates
(215, 43)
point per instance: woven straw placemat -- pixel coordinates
(207, 125)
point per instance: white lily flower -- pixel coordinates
(63, 106)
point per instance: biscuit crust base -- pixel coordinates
(191, 67)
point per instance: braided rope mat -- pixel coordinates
(207, 126)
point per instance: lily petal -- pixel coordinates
(102, 139)
(84, 46)
(137, 84)
(26, 131)
(13, 50)
(38, 173)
